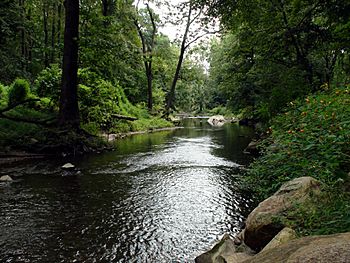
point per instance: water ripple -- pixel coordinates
(168, 203)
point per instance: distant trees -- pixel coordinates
(195, 27)
(118, 43)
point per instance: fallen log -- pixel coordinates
(122, 117)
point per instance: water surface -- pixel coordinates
(162, 197)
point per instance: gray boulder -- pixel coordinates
(217, 121)
(320, 249)
(263, 223)
(223, 252)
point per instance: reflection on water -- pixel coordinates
(163, 197)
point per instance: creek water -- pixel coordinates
(162, 197)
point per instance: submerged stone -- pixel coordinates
(6, 178)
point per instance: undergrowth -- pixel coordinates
(311, 138)
(326, 214)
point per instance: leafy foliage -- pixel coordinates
(19, 91)
(48, 82)
(277, 51)
(326, 214)
(311, 139)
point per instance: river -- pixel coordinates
(161, 197)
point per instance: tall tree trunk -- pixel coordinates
(69, 110)
(30, 38)
(149, 86)
(53, 34)
(46, 35)
(105, 7)
(59, 23)
(23, 36)
(171, 95)
(147, 54)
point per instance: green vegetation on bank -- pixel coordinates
(101, 105)
(311, 138)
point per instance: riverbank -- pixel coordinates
(310, 138)
(20, 140)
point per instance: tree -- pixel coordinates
(277, 51)
(192, 15)
(69, 110)
(147, 35)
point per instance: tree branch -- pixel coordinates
(200, 36)
(19, 119)
(122, 117)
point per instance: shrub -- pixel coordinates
(220, 110)
(48, 83)
(326, 214)
(311, 139)
(19, 91)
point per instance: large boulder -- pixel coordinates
(264, 223)
(320, 249)
(223, 252)
(217, 120)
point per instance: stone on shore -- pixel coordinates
(6, 178)
(68, 166)
(263, 223)
(285, 235)
(217, 121)
(320, 249)
(223, 252)
(252, 148)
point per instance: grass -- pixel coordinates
(323, 215)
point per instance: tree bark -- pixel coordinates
(69, 110)
(23, 35)
(147, 54)
(59, 22)
(53, 34)
(46, 35)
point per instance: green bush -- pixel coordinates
(100, 103)
(19, 91)
(311, 139)
(220, 110)
(3, 92)
(149, 124)
(48, 83)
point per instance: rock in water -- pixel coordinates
(252, 148)
(68, 166)
(261, 224)
(224, 251)
(217, 120)
(6, 178)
